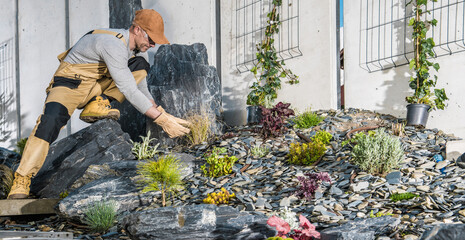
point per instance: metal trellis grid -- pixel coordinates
(7, 91)
(386, 38)
(251, 22)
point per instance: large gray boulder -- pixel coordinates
(68, 159)
(181, 81)
(445, 232)
(364, 229)
(197, 222)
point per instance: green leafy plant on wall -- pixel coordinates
(162, 175)
(268, 69)
(422, 82)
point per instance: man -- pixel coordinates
(104, 65)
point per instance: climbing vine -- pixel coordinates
(422, 82)
(268, 69)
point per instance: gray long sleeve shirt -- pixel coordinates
(95, 48)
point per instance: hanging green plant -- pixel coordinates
(268, 69)
(422, 83)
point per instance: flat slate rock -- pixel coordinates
(197, 222)
(445, 232)
(364, 229)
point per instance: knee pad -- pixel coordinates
(55, 116)
(138, 63)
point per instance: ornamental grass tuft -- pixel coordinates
(101, 216)
(200, 127)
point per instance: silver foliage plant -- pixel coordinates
(144, 150)
(378, 152)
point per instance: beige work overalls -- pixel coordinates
(72, 86)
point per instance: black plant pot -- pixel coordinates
(254, 114)
(417, 114)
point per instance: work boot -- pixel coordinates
(98, 109)
(20, 188)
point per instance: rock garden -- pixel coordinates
(240, 185)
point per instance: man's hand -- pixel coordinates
(171, 127)
(177, 120)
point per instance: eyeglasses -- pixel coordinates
(147, 36)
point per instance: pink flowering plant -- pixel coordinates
(306, 230)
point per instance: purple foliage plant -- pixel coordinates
(310, 183)
(274, 119)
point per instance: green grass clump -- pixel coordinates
(101, 216)
(162, 175)
(219, 164)
(377, 153)
(402, 196)
(307, 120)
(143, 150)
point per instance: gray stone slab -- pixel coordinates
(27, 207)
(6, 235)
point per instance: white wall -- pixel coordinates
(385, 91)
(42, 37)
(187, 22)
(316, 68)
(85, 15)
(8, 19)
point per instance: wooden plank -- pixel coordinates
(6, 235)
(15, 207)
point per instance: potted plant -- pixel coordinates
(268, 69)
(425, 97)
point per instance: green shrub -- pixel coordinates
(322, 136)
(307, 120)
(308, 153)
(143, 150)
(101, 216)
(402, 196)
(218, 163)
(259, 151)
(162, 175)
(377, 153)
